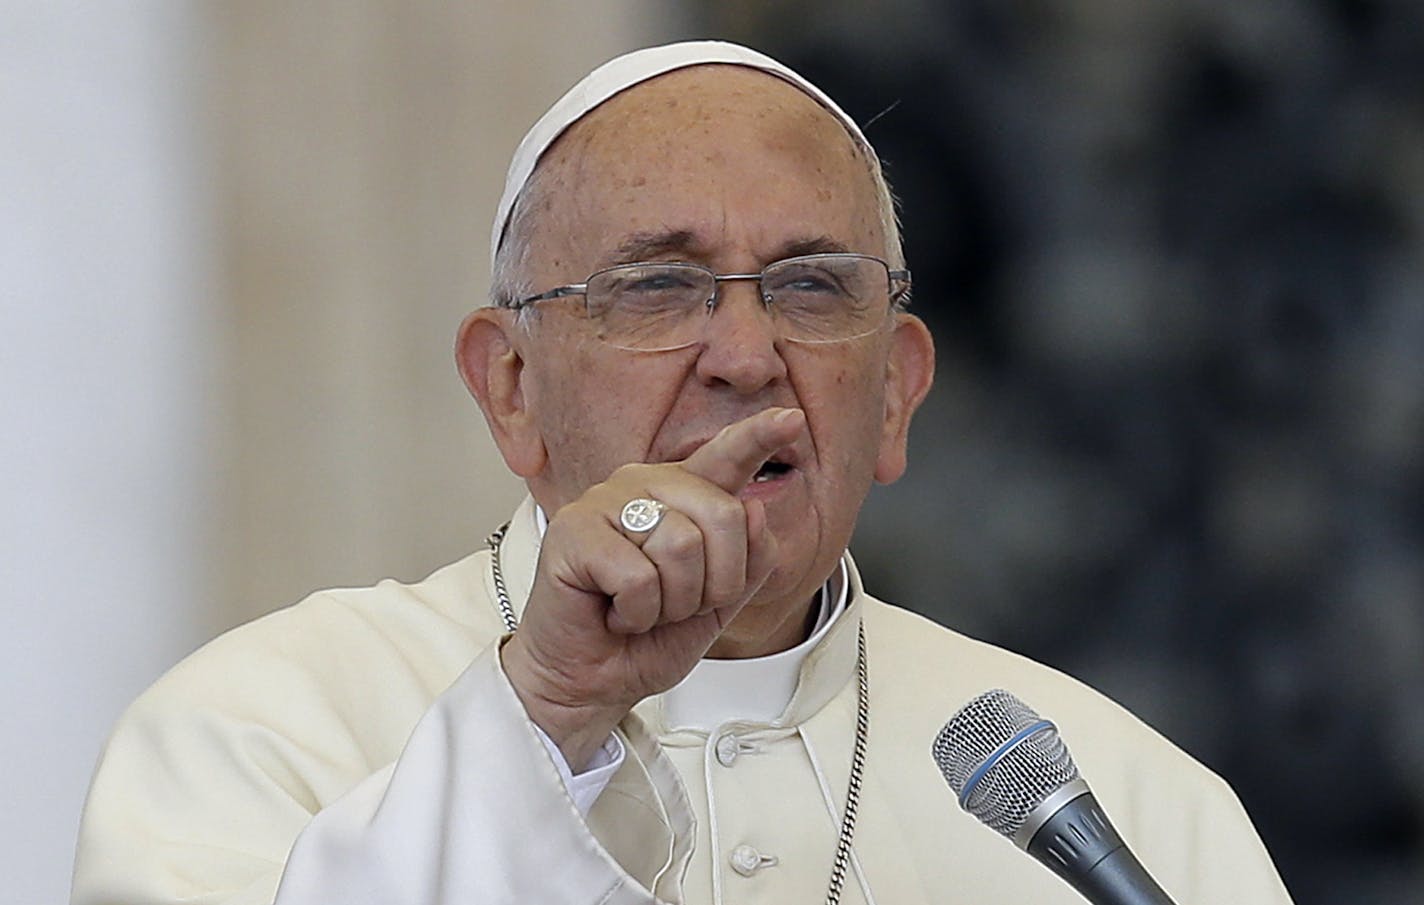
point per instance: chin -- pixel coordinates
(783, 593)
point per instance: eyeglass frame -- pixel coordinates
(898, 298)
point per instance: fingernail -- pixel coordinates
(785, 417)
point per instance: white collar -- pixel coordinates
(756, 689)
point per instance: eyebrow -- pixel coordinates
(646, 246)
(815, 245)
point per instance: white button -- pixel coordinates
(747, 860)
(727, 749)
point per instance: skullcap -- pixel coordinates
(622, 73)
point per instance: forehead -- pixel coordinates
(717, 153)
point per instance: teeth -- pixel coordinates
(770, 471)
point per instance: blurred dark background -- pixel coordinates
(1173, 257)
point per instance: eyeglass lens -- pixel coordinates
(819, 298)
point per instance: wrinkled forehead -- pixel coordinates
(622, 73)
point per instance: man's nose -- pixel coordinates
(739, 346)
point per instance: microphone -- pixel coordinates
(1012, 771)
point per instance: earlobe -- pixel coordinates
(492, 366)
(909, 373)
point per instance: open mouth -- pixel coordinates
(770, 470)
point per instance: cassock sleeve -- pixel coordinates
(473, 810)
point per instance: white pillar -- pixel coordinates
(104, 363)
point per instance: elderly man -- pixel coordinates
(663, 681)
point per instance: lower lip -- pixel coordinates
(767, 488)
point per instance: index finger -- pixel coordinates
(732, 458)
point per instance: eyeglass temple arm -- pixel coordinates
(901, 294)
(555, 293)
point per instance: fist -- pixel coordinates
(616, 615)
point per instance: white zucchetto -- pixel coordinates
(622, 73)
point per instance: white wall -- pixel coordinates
(104, 313)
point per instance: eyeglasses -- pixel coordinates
(660, 306)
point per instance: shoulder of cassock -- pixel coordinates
(235, 748)
(1178, 816)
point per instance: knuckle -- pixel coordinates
(724, 591)
(639, 612)
(728, 514)
(683, 544)
(644, 580)
(687, 606)
(622, 474)
(631, 474)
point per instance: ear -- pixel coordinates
(909, 371)
(488, 353)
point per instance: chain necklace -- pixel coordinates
(862, 721)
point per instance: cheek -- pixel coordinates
(557, 392)
(846, 408)
(599, 408)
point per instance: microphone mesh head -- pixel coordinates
(1017, 779)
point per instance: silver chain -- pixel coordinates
(862, 722)
(501, 595)
(857, 772)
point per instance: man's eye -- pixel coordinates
(656, 282)
(810, 281)
(815, 284)
(651, 283)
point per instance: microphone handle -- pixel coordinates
(1082, 846)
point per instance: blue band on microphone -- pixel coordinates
(997, 756)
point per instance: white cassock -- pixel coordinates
(364, 746)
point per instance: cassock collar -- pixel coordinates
(783, 689)
(756, 689)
